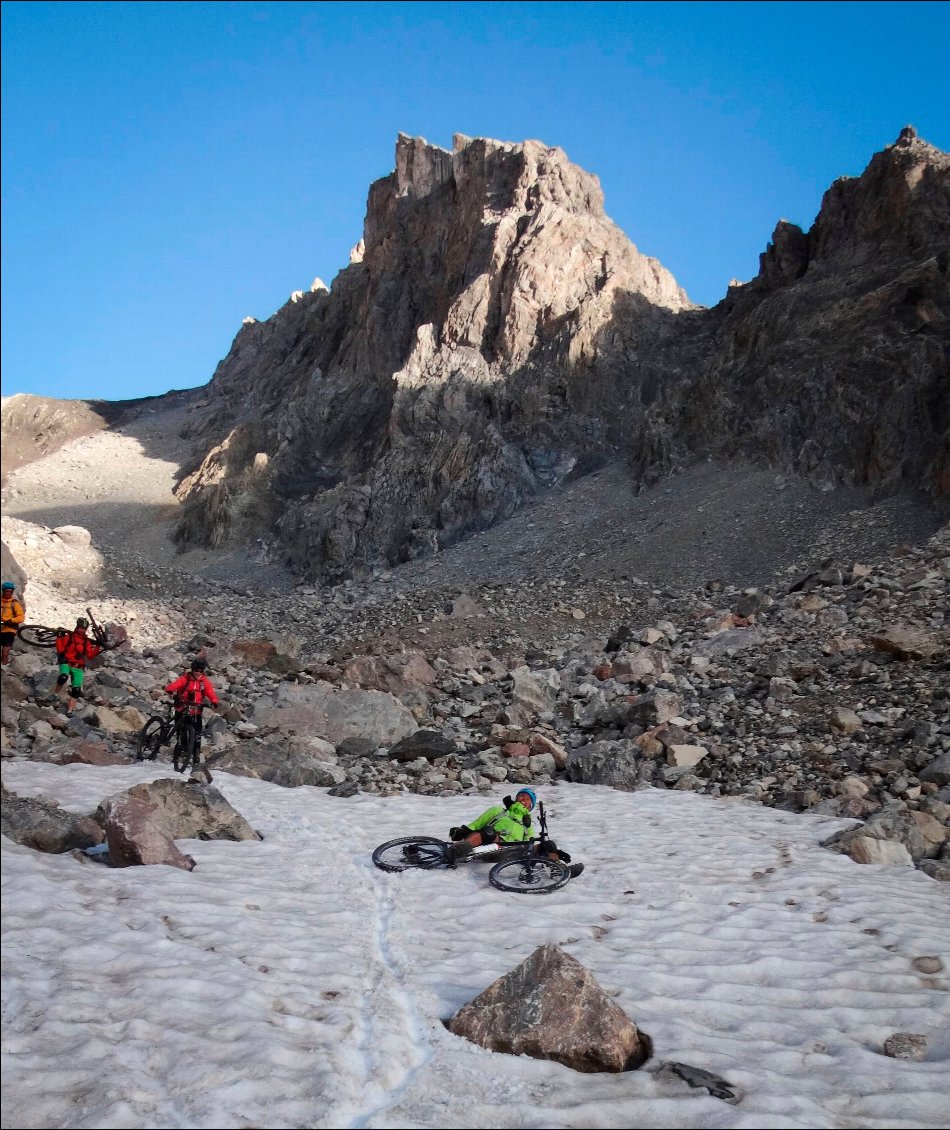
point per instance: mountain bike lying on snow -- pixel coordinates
(523, 868)
(160, 729)
(38, 635)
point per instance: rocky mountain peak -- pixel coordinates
(495, 241)
(495, 334)
(486, 277)
(420, 167)
(899, 205)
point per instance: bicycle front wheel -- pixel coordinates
(409, 852)
(185, 746)
(151, 739)
(37, 636)
(534, 875)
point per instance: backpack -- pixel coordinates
(193, 692)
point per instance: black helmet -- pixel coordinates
(82, 622)
(199, 664)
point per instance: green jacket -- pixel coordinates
(507, 822)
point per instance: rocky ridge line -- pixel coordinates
(497, 335)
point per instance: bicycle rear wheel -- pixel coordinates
(185, 746)
(534, 875)
(36, 635)
(409, 852)
(151, 738)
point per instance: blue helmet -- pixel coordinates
(528, 792)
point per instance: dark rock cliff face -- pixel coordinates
(834, 360)
(496, 333)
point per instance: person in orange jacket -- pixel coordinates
(72, 650)
(191, 689)
(13, 616)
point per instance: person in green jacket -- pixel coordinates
(505, 823)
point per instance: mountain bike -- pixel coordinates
(160, 729)
(38, 635)
(100, 634)
(523, 868)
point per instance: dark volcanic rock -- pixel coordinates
(833, 361)
(423, 743)
(43, 826)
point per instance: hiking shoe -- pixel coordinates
(461, 851)
(575, 869)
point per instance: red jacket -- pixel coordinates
(191, 690)
(75, 648)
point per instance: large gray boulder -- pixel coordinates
(42, 825)
(619, 764)
(423, 743)
(324, 711)
(192, 811)
(534, 691)
(551, 1007)
(279, 764)
(11, 569)
(137, 834)
(894, 836)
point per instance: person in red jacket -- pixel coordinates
(72, 650)
(191, 690)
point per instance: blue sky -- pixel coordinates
(169, 168)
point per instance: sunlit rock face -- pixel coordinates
(497, 333)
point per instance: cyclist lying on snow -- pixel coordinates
(505, 823)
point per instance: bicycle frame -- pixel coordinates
(517, 848)
(99, 634)
(171, 722)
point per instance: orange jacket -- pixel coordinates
(13, 613)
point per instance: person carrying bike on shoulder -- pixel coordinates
(13, 615)
(191, 689)
(505, 823)
(72, 650)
